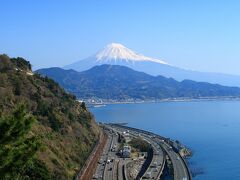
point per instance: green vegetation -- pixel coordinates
(17, 146)
(140, 145)
(119, 83)
(48, 138)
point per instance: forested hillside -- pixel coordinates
(120, 83)
(44, 132)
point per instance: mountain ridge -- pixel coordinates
(117, 54)
(120, 83)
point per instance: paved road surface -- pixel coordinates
(111, 166)
(99, 174)
(110, 169)
(180, 170)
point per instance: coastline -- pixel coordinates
(203, 123)
(110, 102)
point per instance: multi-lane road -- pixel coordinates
(99, 174)
(110, 171)
(180, 170)
(111, 166)
(158, 160)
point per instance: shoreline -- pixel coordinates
(200, 161)
(104, 103)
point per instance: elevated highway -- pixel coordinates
(111, 166)
(181, 170)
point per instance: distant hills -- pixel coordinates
(120, 83)
(44, 132)
(117, 54)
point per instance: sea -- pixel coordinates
(211, 129)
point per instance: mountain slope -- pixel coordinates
(67, 130)
(119, 83)
(117, 54)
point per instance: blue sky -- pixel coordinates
(202, 35)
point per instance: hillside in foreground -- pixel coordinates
(45, 133)
(120, 83)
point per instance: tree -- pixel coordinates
(18, 87)
(83, 105)
(22, 63)
(17, 146)
(5, 63)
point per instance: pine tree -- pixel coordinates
(17, 145)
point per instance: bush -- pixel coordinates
(37, 170)
(140, 144)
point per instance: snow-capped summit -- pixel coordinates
(116, 51)
(117, 54)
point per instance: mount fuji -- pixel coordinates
(118, 54)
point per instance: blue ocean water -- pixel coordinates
(211, 129)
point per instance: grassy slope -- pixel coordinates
(68, 130)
